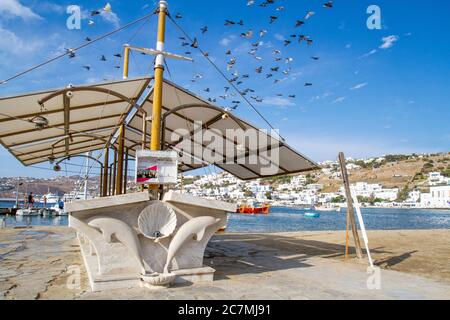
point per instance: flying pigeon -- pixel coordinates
(195, 43)
(247, 34)
(299, 23)
(107, 7)
(309, 14)
(328, 4)
(70, 53)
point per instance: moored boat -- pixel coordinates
(312, 215)
(254, 209)
(27, 212)
(327, 208)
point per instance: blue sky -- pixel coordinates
(369, 96)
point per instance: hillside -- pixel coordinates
(395, 172)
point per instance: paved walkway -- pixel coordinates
(34, 265)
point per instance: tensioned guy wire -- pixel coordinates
(76, 49)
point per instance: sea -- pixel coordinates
(292, 220)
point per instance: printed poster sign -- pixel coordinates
(156, 167)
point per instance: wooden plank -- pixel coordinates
(350, 208)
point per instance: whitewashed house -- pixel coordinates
(436, 179)
(439, 197)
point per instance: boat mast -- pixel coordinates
(155, 144)
(85, 191)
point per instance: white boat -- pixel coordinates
(51, 198)
(46, 212)
(59, 210)
(327, 209)
(27, 212)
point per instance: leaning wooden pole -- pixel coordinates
(350, 208)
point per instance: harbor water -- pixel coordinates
(291, 220)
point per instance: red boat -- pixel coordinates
(253, 210)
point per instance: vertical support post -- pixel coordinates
(159, 73)
(105, 171)
(100, 193)
(86, 177)
(120, 156)
(125, 171)
(126, 61)
(350, 208)
(66, 103)
(113, 186)
(110, 179)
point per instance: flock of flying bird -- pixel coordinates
(272, 72)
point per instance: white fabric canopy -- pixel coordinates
(84, 122)
(82, 119)
(245, 159)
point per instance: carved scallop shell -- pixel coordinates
(159, 279)
(157, 221)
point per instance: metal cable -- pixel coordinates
(76, 49)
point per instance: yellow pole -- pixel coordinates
(126, 62)
(155, 144)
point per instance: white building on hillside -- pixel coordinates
(439, 197)
(436, 178)
(375, 190)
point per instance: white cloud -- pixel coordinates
(111, 17)
(278, 101)
(339, 100)
(348, 46)
(279, 37)
(11, 43)
(368, 54)
(359, 86)
(388, 41)
(227, 40)
(45, 6)
(320, 97)
(16, 9)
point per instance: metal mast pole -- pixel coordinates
(159, 71)
(85, 192)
